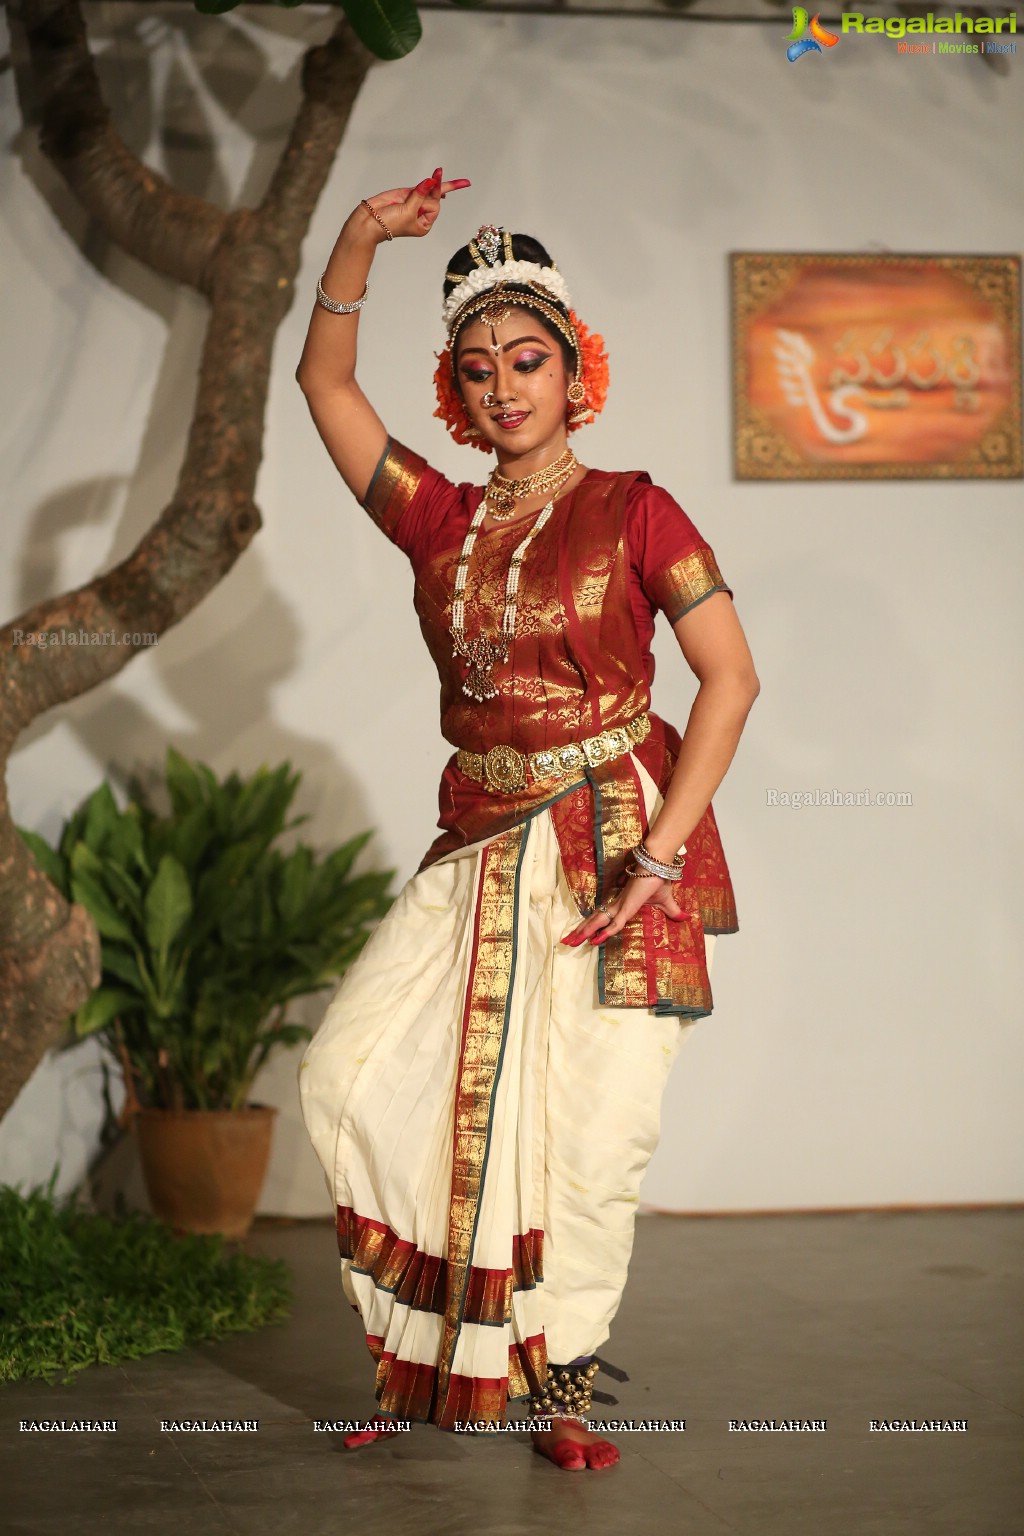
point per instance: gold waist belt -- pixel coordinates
(507, 770)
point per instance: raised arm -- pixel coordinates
(353, 433)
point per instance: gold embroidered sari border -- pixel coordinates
(419, 1280)
(687, 582)
(393, 485)
(485, 1025)
(407, 1389)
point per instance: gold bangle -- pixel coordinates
(375, 215)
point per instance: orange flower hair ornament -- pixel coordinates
(484, 292)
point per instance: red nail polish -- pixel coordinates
(421, 186)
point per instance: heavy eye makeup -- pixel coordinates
(526, 362)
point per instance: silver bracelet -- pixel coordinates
(332, 304)
(655, 866)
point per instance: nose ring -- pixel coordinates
(491, 399)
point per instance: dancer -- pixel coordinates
(484, 1090)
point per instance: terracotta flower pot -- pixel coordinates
(204, 1168)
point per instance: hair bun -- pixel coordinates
(524, 248)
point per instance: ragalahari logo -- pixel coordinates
(799, 44)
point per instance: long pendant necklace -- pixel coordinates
(482, 652)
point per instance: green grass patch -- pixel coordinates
(78, 1289)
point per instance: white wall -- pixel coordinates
(864, 1047)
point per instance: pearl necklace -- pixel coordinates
(482, 652)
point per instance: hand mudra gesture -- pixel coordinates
(411, 210)
(622, 904)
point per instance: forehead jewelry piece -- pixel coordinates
(484, 306)
(497, 310)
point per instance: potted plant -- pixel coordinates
(209, 931)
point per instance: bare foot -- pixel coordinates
(359, 1437)
(573, 1448)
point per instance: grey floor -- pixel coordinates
(847, 1318)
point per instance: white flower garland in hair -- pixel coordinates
(482, 278)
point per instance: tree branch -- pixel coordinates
(331, 77)
(172, 232)
(246, 262)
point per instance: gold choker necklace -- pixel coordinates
(502, 493)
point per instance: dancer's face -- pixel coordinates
(519, 369)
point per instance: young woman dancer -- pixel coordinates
(484, 1091)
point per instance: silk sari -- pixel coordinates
(484, 1100)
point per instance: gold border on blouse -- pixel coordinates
(680, 585)
(393, 486)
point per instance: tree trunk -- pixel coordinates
(244, 262)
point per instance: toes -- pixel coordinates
(569, 1456)
(601, 1454)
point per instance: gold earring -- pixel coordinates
(576, 395)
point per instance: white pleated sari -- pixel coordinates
(484, 1125)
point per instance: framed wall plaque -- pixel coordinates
(883, 367)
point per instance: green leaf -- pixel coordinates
(294, 887)
(72, 833)
(332, 875)
(174, 999)
(183, 782)
(101, 1008)
(49, 860)
(153, 999)
(168, 907)
(85, 860)
(213, 1058)
(262, 802)
(189, 838)
(101, 817)
(220, 885)
(124, 842)
(208, 777)
(122, 964)
(126, 891)
(389, 28)
(86, 888)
